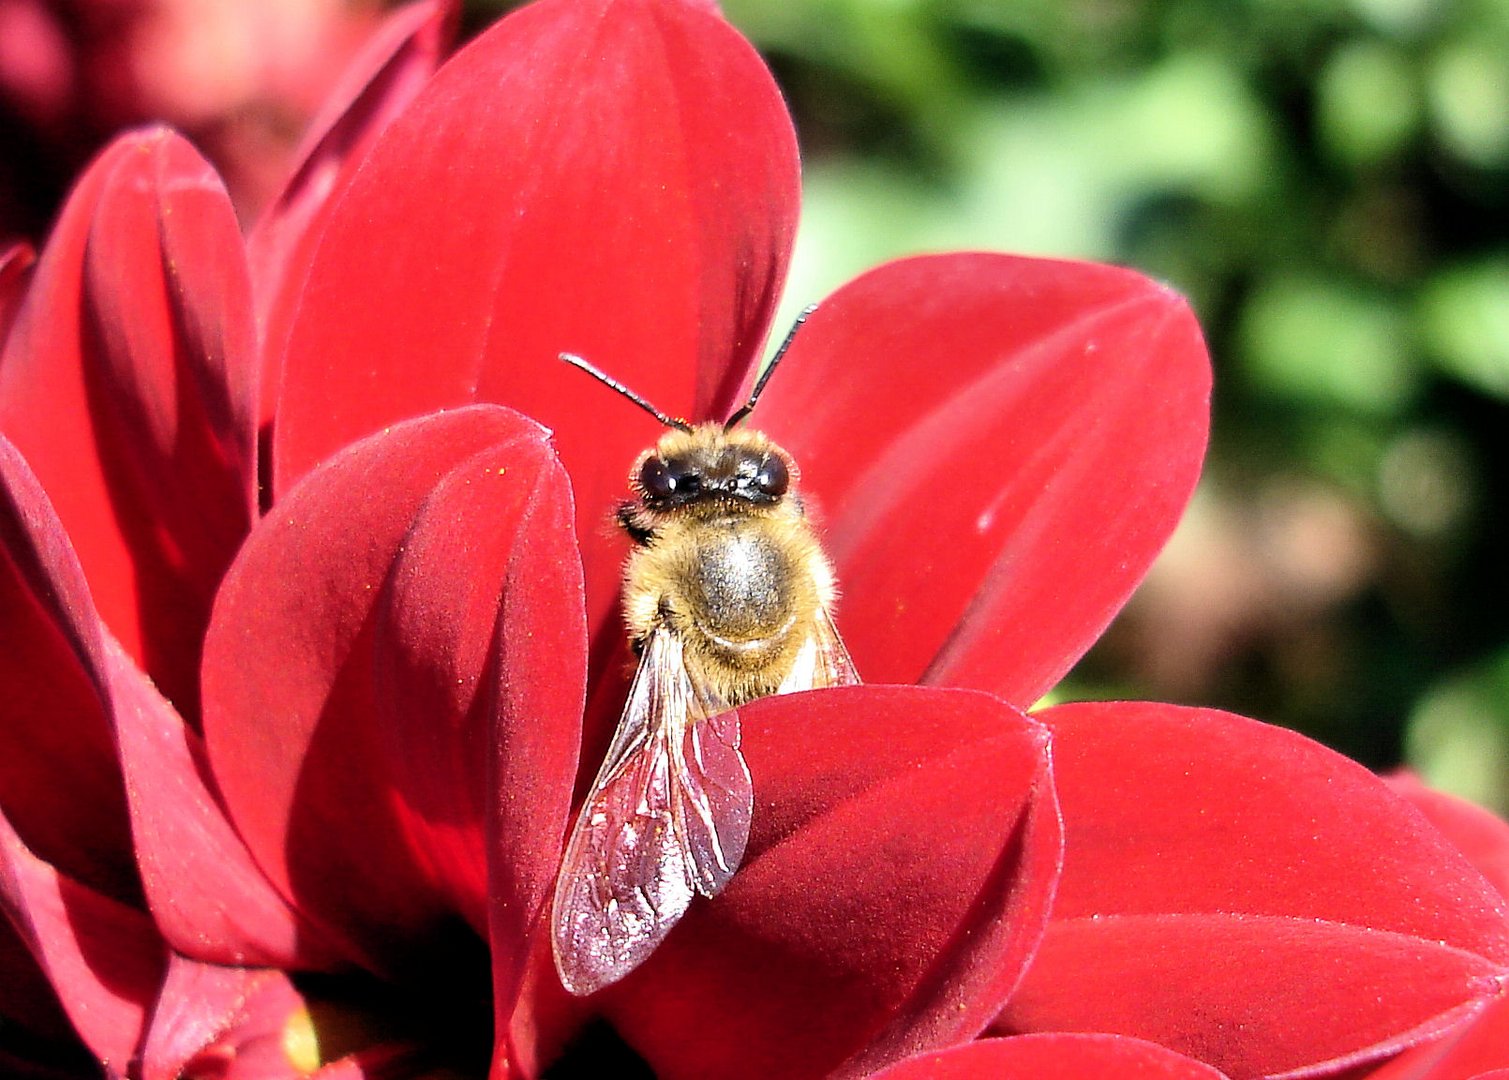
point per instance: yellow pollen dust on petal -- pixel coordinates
(324, 1030)
(301, 1042)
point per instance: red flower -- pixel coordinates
(319, 758)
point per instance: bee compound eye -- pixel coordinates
(656, 479)
(773, 478)
(661, 479)
(685, 480)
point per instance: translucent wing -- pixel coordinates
(667, 817)
(822, 661)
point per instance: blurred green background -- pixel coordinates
(1326, 180)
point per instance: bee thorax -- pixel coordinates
(740, 589)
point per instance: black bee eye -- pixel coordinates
(772, 479)
(661, 479)
(656, 479)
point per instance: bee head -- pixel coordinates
(709, 464)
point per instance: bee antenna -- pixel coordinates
(613, 384)
(759, 387)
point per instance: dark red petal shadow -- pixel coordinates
(39, 1039)
(1052, 1057)
(616, 178)
(138, 816)
(16, 262)
(208, 897)
(129, 384)
(357, 707)
(377, 86)
(998, 447)
(56, 724)
(1241, 894)
(103, 958)
(900, 866)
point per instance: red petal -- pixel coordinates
(377, 86)
(1052, 1057)
(209, 1016)
(999, 447)
(209, 899)
(27, 1001)
(128, 383)
(359, 695)
(103, 958)
(1483, 1042)
(15, 273)
(76, 701)
(234, 1023)
(1244, 895)
(1481, 836)
(902, 858)
(616, 178)
(55, 727)
(1479, 1045)
(484, 599)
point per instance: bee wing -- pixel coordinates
(822, 660)
(667, 817)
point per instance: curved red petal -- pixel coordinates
(900, 865)
(1483, 1042)
(1467, 1053)
(138, 816)
(1053, 1057)
(16, 262)
(616, 178)
(355, 706)
(1480, 835)
(129, 384)
(209, 1016)
(60, 779)
(377, 86)
(236, 1023)
(483, 599)
(998, 447)
(103, 958)
(28, 1004)
(209, 898)
(1244, 895)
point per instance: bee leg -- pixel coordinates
(629, 520)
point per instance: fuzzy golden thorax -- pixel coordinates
(724, 558)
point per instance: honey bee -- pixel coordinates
(728, 597)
